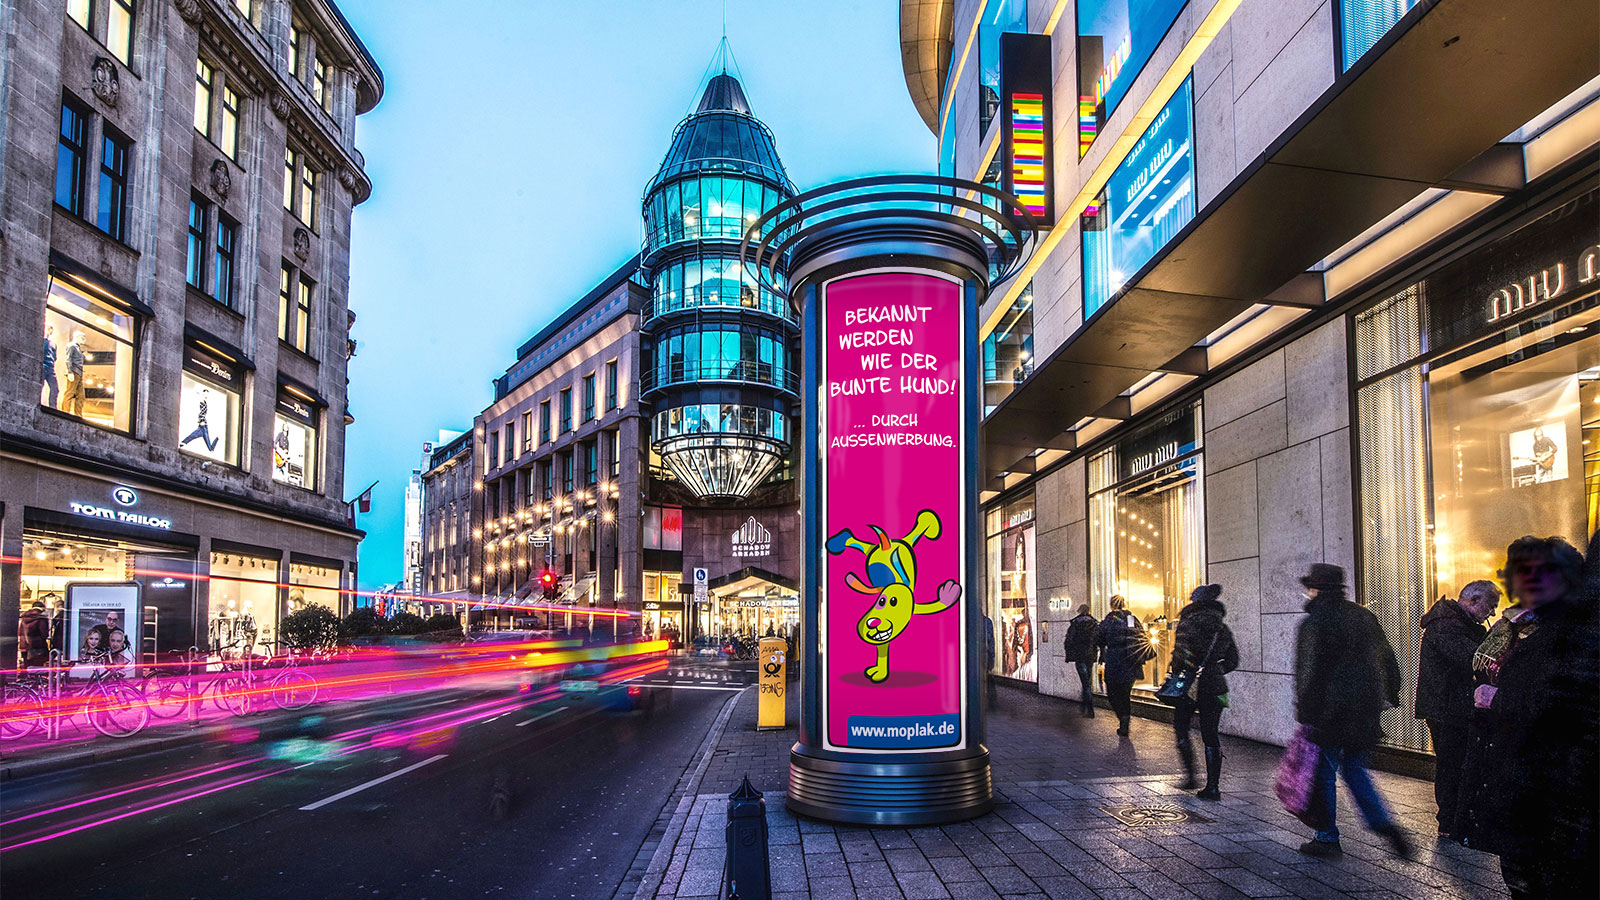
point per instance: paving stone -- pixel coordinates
(1008, 879)
(826, 865)
(832, 888)
(921, 886)
(871, 874)
(955, 868)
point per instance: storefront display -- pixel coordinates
(1115, 40)
(242, 614)
(87, 367)
(663, 606)
(1012, 600)
(1478, 407)
(294, 441)
(1147, 527)
(313, 583)
(210, 406)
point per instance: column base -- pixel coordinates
(859, 792)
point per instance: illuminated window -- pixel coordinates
(204, 94)
(294, 441)
(302, 341)
(308, 196)
(228, 133)
(1115, 40)
(1364, 22)
(291, 161)
(81, 11)
(297, 39)
(285, 301)
(119, 31)
(210, 404)
(89, 359)
(527, 431)
(319, 85)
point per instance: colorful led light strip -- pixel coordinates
(1027, 151)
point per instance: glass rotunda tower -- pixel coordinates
(722, 373)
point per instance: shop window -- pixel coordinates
(72, 156)
(210, 406)
(119, 31)
(999, 17)
(196, 272)
(1363, 22)
(663, 528)
(294, 442)
(1147, 200)
(1011, 601)
(89, 359)
(1115, 40)
(611, 385)
(1008, 351)
(227, 239)
(242, 612)
(1147, 527)
(313, 584)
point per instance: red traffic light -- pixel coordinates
(547, 578)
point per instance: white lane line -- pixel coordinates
(373, 783)
(689, 687)
(541, 716)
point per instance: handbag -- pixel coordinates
(1184, 683)
(1296, 781)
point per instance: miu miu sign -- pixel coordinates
(1544, 286)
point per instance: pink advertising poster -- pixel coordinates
(893, 581)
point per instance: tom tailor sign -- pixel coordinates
(894, 516)
(752, 539)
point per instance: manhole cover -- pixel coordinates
(1153, 814)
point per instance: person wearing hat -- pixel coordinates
(1345, 676)
(1204, 643)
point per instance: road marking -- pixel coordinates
(373, 783)
(541, 716)
(688, 687)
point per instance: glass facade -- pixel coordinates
(1011, 589)
(1363, 22)
(1148, 198)
(726, 353)
(999, 17)
(1478, 419)
(1008, 351)
(702, 281)
(1115, 40)
(1147, 528)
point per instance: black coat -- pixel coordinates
(33, 637)
(1444, 676)
(1200, 626)
(1122, 644)
(1079, 644)
(1531, 784)
(1345, 673)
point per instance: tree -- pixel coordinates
(407, 623)
(313, 627)
(363, 621)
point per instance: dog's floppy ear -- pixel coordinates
(856, 584)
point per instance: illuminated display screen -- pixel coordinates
(1115, 40)
(1147, 200)
(1025, 70)
(1027, 151)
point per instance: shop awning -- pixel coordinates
(1426, 107)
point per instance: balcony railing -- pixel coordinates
(764, 301)
(743, 372)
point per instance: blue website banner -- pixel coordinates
(904, 732)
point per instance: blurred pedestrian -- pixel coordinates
(1451, 632)
(1345, 676)
(988, 659)
(1124, 648)
(1204, 643)
(33, 637)
(1080, 647)
(1531, 788)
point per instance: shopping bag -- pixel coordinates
(1296, 781)
(1180, 684)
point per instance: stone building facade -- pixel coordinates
(176, 187)
(447, 520)
(1316, 283)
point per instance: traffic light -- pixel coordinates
(547, 581)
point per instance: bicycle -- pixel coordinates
(292, 688)
(169, 696)
(111, 706)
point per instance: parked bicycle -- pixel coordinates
(170, 692)
(107, 701)
(291, 687)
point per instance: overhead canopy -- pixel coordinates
(1419, 113)
(925, 41)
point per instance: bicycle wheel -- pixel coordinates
(21, 711)
(294, 690)
(116, 710)
(232, 694)
(166, 696)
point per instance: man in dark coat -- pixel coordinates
(1532, 787)
(33, 636)
(1081, 653)
(1345, 675)
(1124, 647)
(1203, 642)
(1451, 632)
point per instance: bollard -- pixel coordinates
(747, 871)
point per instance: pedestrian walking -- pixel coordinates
(1531, 787)
(1204, 643)
(1345, 675)
(1080, 647)
(1451, 632)
(1124, 648)
(33, 637)
(988, 660)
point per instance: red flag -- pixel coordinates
(365, 500)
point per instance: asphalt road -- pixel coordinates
(465, 794)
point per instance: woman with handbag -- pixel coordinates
(1203, 653)
(1124, 648)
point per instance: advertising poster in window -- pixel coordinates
(206, 419)
(1539, 454)
(291, 452)
(1019, 619)
(102, 624)
(894, 516)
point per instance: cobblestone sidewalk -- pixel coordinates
(1050, 836)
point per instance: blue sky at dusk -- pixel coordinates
(508, 157)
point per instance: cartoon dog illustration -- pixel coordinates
(892, 579)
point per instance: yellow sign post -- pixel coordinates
(771, 676)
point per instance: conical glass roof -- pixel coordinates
(721, 135)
